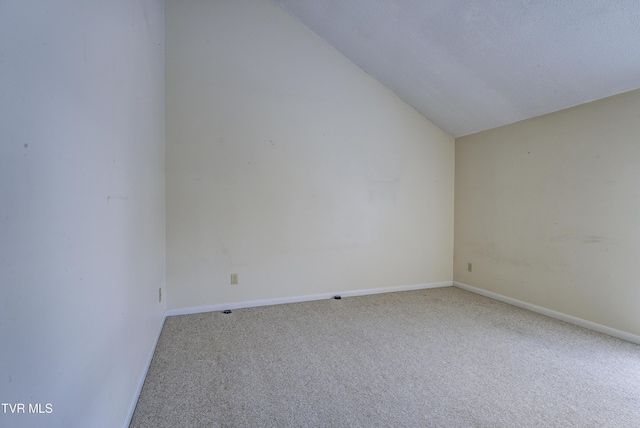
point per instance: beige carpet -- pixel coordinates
(431, 358)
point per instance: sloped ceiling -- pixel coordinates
(474, 65)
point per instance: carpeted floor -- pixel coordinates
(430, 358)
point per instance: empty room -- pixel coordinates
(314, 213)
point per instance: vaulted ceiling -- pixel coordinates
(472, 65)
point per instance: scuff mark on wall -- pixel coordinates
(589, 239)
(118, 198)
(593, 239)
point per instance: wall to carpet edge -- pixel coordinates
(553, 314)
(305, 298)
(290, 166)
(548, 211)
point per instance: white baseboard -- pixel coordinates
(553, 314)
(144, 375)
(296, 299)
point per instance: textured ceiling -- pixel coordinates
(473, 65)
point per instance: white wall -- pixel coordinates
(548, 211)
(290, 166)
(82, 231)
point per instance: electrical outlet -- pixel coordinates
(159, 295)
(234, 279)
(470, 267)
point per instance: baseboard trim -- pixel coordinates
(553, 314)
(144, 374)
(297, 299)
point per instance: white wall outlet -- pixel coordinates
(234, 279)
